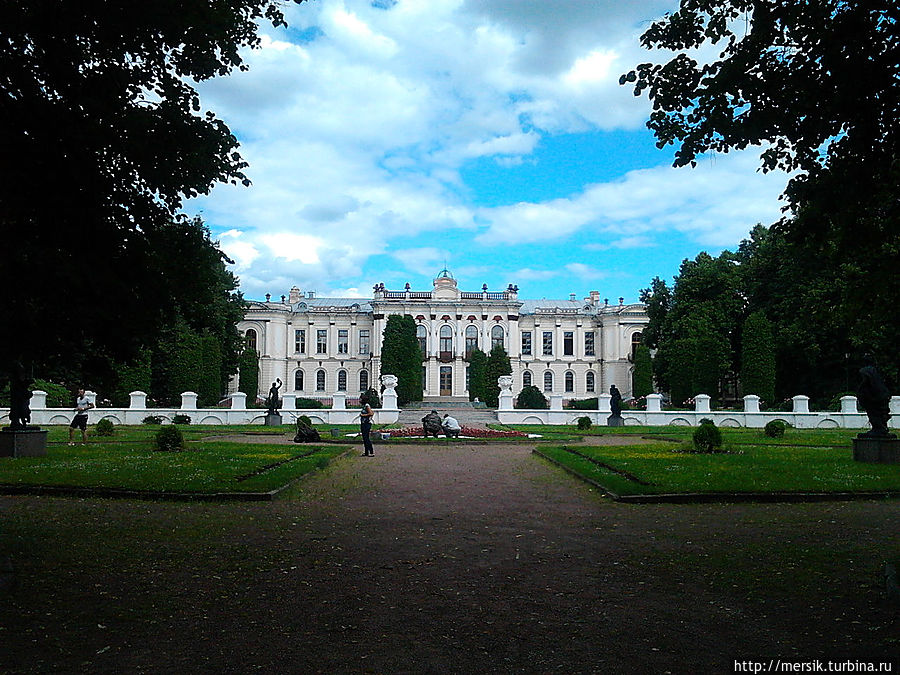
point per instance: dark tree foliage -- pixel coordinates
(177, 363)
(758, 358)
(400, 356)
(102, 138)
(209, 386)
(478, 375)
(814, 81)
(133, 376)
(248, 378)
(497, 364)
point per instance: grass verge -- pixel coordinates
(659, 468)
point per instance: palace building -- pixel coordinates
(324, 346)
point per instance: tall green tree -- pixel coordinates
(400, 356)
(497, 364)
(248, 377)
(209, 386)
(478, 375)
(642, 378)
(103, 136)
(758, 358)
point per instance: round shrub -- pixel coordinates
(169, 439)
(775, 429)
(584, 423)
(104, 428)
(306, 421)
(707, 437)
(152, 419)
(181, 419)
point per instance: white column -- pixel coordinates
(848, 404)
(188, 400)
(603, 403)
(389, 395)
(38, 400)
(654, 402)
(138, 400)
(238, 401)
(701, 403)
(289, 402)
(801, 404)
(895, 405)
(751, 403)
(339, 401)
(556, 402)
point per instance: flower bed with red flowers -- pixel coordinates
(467, 432)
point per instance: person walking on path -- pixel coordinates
(82, 405)
(365, 426)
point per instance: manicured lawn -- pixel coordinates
(749, 468)
(128, 461)
(735, 436)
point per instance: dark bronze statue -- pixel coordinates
(615, 402)
(874, 398)
(19, 396)
(272, 401)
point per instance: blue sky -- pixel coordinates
(387, 139)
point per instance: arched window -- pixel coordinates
(298, 380)
(526, 378)
(496, 336)
(342, 380)
(471, 340)
(635, 343)
(250, 338)
(422, 337)
(364, 380)
(589, 381)
(548, 381)
(320, 380)
(570, 381)
(446, 347)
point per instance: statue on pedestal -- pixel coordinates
(874, 398)
(272, 401)
(19, 396)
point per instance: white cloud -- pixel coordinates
(715, 204)
(357, 122)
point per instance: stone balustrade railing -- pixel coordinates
(238, 413)
(849, 416)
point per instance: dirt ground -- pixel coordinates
(465, 559)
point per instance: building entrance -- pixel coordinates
(446, 381)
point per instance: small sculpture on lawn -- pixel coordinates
(306, 433)
(874, 398)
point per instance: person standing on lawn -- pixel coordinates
(365, 426)
(82, 405)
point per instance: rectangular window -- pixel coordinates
(321, 342)
(589, 344)
(364, 342)
(548, 343)
(300, 341)
(526, 343)
(568, 343)
(342, 341)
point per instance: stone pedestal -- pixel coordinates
(273, 420)
(31, 442)
(874, 449)
(615, 421)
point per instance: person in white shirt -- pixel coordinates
(451, 427)
(82, 405)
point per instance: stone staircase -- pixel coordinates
(465, 413)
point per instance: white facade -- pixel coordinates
(319, 347)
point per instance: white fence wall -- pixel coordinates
(800, 417)
(238, 413)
